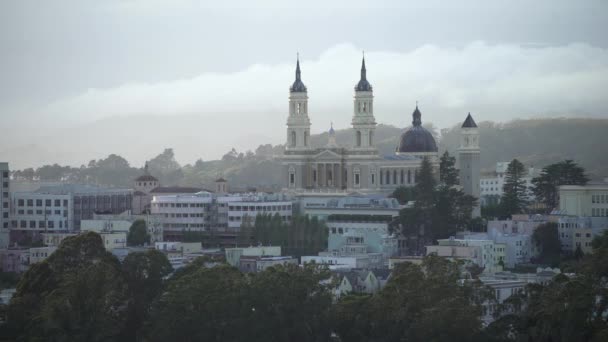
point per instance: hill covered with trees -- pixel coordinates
(536, 143)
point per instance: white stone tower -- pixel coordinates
(468, 160)
(298, 122)
(364, 123)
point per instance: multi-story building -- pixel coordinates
(55, 239)
(584, 200)
(123, 222)
(233, 255)
(250, 264)
(15, 259)
(4, 195)
(491, 186)
(34, 213)
(38, 254)
(577, 231)
(207, 212)
(483, 252)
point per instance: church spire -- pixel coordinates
(298, 86)
(363, 84)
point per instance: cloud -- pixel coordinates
(494, 82)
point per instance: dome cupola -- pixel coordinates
(417, 139)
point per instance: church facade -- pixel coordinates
(358, 167)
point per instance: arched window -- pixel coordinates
(292, 177)
(358, 138)
(293, 138)
(364, 107)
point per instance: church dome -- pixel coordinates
(417, 138)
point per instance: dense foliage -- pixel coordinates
(515, 192)
(301, 236)
(440, 209)
(546, 186)
(83, 293)
(138, 234)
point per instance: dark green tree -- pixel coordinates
(144, 273)
(76, 294)
(448, 174)
(546, 185)
(403, 194)
(546, 238)
(138, 234)
(514, 198)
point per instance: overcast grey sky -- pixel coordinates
(75, 66)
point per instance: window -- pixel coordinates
(373, 179)
(39, 203)
(293, 138)
(32, 224)
(358, 138)
(30, 202)
(20, 203)
(357, 174)
(371, 134)
(48, 202)
(306, 138)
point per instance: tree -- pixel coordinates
(546, 185)
(546, 238)
(76, 294)
(514, 196)
(144, 273)
(138, 234)
(447, 170)
(403, 194)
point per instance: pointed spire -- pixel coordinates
(363, 84)
(469, 122)
(416, 116)
(146, 171)
(298, 77)
(298, 86)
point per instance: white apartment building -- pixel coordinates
(233, 255)
(38, 254)
(584, 200)
(225, 213)
(483, 252)
(491, 187)
(335, 262)
(122, 223)
(577, 231)
(32, 211)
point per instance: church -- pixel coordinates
(358, 167)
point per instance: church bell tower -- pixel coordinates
(468, 160)
(364, 123)
(298, 122)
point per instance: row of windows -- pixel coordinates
(240, 218)
(181, 205)
(42, 212)
(401, 177)
(185, 215)
(599, 212)
(39, 203)
(259, 207)
(599, 198)
(39, 224)
(5, 185)
(490, 189)
(487, 182)
(570, 225)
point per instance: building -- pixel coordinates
(336, 262)
(577, 231)
(483, 252)
(217, 213)
(491, 185)
(4, 196)
(360, 281)
(414, 259)
(15, 259)
(55, 239)
(250, 264)
(584, 200)
(468, 159)
(233, 255)
(38, 254)
(357, 167)
(122, 223)
(34, 213)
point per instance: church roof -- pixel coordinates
(469, 122)
(417, 138)
(146, 178)
(298, 86)
(363, 84)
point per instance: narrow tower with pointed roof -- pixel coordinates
(298, 122)
(364, 123)
(468, 160)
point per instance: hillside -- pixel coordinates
(535, 142)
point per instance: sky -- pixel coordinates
(82, 79)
